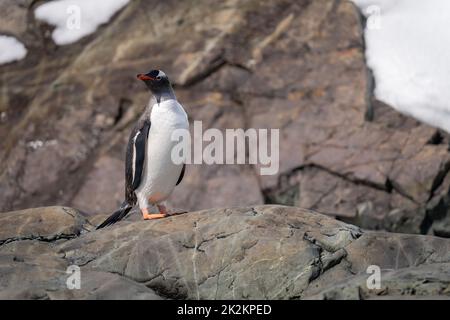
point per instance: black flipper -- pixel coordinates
(181, 174)
(117, 215)
(133, 171)
(140, 146)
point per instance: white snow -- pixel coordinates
(11, 49)
(75, 19)
(408, 49)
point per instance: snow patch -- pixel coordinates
(75, 19)
(11, 49)
(408, 54)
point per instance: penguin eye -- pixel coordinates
(158, 78)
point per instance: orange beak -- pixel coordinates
(143, 77)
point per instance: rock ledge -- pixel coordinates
(263, 252)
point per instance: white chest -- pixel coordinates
(160, 173)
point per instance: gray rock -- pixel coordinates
(430, 281)
(262, 252)
(32, 267)
(394, 169)
(45, 224)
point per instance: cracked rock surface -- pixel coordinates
(66, 112)
(260, 252)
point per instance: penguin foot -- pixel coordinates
(149, 216)
(153, 216)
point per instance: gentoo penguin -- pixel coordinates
(150, 173)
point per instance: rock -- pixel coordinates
(294, 65)
(261, 252)
(40, 273)
(45, 224)
(106, 170)
(423, 282)
(31, 267)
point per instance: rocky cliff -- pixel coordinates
(299, 66)
(261, 252)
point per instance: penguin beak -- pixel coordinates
(144, 77)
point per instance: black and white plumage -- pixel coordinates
(136, 156)
(150, 174)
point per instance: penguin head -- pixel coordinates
(156, 80)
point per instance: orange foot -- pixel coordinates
(149, 216)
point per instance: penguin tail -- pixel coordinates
(118, 215)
